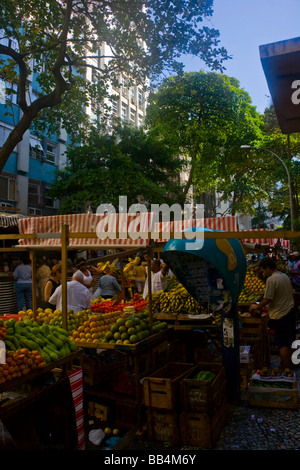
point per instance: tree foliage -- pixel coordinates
(208, 117)
(55, 42)
(128, 163)
(272, 146)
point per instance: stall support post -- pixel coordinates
(33, 265)
(149, 280)
(231, 352)
(122, 278)
(64, 255)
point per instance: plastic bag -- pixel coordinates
(96, 436)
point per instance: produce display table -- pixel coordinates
(40, 403)
(186, 321)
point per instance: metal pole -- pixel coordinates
(288, 175)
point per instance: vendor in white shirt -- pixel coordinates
(159, 278)
(78, 295)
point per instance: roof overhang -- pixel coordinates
(281, 65)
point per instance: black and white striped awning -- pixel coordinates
(9, 220)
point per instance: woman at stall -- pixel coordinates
(53, 282)
(88, 272)
(108, 286)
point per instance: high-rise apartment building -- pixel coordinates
(32, 166)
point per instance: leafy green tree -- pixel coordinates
(275, 155)
(208, 117)
(58, 40)
(128, 163)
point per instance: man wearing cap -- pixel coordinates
(295, 271)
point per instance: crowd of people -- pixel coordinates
(82, 281)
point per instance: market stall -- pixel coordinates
(73, 232)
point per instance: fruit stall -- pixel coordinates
(115, 349)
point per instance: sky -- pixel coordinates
(244, 25)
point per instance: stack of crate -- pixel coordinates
(162, 400)
(204, 407)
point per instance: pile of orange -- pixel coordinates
(95, 328)
(19, 363)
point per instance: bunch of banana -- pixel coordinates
(217, 319)
(108, 268)
(131, 263)
(176, 300)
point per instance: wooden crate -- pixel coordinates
(272, 397)
(254, 333)
(161, 389)
(160, 354)
(163, 425)
(101, 369)
(203, 429)
(98, 410)
(200, 395)
(126, 414)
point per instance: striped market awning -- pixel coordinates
(10, 220)
(122, 229)
(267, 241)
(101, 228)
(132, 229)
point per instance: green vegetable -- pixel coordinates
(58, 343)
(53, 355)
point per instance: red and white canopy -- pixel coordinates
(120, 229)
(95, 224)
(266, 241)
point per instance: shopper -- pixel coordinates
(23, 277)
(108, 286)
(159, 272)
(53, 282)
(295, 270)
(139, 272)
(78, 296)
(88, 272)
(43, 273)
(279, 298)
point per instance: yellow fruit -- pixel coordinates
(107, 431)
(115, 432)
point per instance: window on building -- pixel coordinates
(51, 152)
(36, 149)
(5, 130)
(49, 201)
(34, 193)
(140, 98)
(7, 188)
(34, 211)
(114, 106)
(132, 95)
(124, 115)
(132, 117)
(11, 92)
(8, 41)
